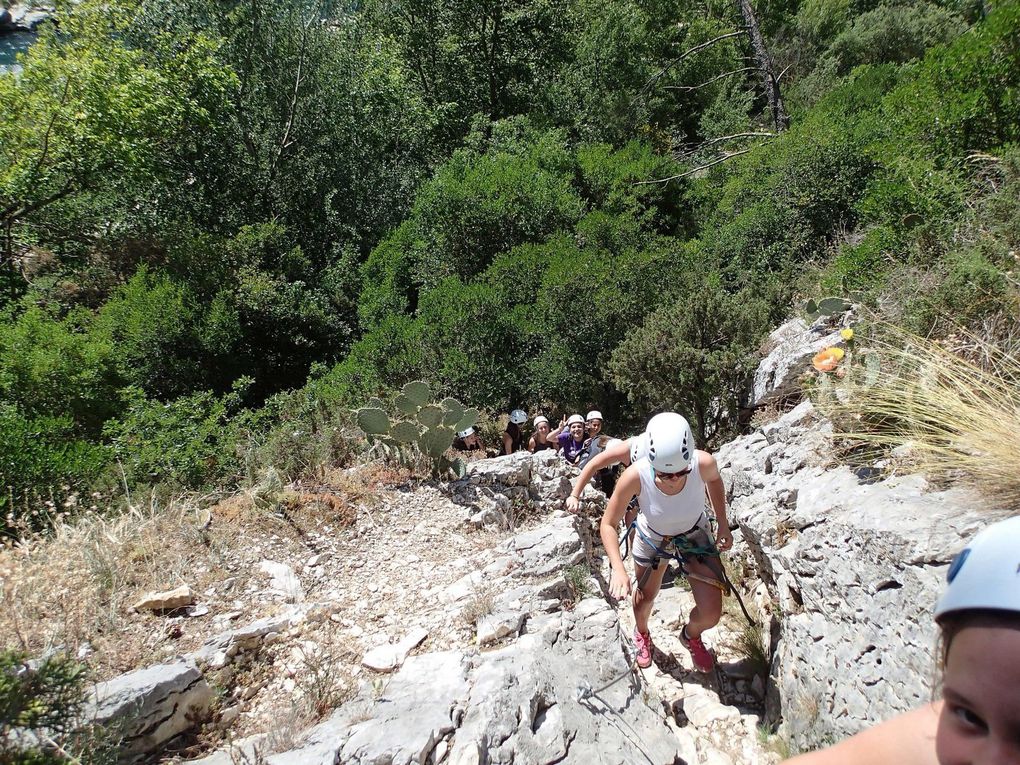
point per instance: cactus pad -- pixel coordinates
(373, 421)
(430, 416)
(405, 432)
(436, 441)
(407, 405)
(418, 392)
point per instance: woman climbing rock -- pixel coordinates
(670, 483)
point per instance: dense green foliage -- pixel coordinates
(225, 225)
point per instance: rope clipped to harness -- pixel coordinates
(682, 547)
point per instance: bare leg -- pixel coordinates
(645, 596)
(707, 601)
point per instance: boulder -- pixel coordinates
(166, 601)
(218, 650)
(149, 707)
(386, 658)
(853, 566)
(283, 580)
(547, 549)
(791, 348)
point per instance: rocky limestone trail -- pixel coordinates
(512, 654)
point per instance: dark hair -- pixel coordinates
(953, 623)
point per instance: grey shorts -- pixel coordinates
(644, 554)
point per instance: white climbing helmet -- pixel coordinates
(465, 433)
(670, 442)
(594, 414)
(575, 418)
(539, 420)
(638, 447)
(986, 574)
(518, 417)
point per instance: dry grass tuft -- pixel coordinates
(954, 405)
(480, 604)
(76, 584)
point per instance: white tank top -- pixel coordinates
(665, 514)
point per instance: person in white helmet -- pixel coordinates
(977, 720)
(671, 483)
(593, 423)
(468, 441)
(539, 440)
(569, 438)
(617, 452)
(513, 436)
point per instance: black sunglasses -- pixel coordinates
(673, 476)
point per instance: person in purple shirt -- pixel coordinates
(570, 438)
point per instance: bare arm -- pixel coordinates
(709, 469)
(508, 443)
(619, 453)
(907, 739)
(532, 444)
(627, 487)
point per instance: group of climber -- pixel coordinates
(661, 496)
(577, 438)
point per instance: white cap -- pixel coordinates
(518, 417)
(540, 419)
(465, 433)
(594, 414)
(575, 418)
(986, 574)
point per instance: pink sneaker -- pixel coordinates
(703, 661)
(643, 643)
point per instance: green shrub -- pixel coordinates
(56, 368)
(47, 699)
(864, 264)
(300, 432)
(150, 324)
(892, 34)
(43, 455)
(189, 442)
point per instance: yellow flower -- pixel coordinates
(846, 334)
(828, 359)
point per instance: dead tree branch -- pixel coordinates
(686, 88)
(721, 139)
(690, 52)
(697, 169)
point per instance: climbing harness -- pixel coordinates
(683, 548)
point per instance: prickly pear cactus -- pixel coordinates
(421, 429)
(825, 307)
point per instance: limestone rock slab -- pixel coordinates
(150, 706)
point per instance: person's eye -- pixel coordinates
(967, 718)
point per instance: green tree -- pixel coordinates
(695, 356)
(90, 116)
